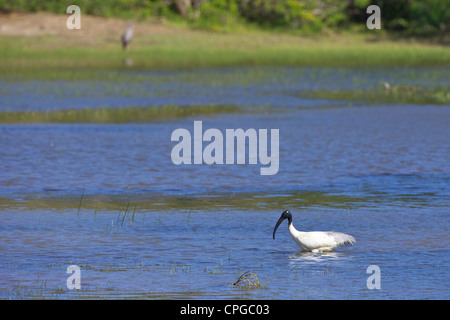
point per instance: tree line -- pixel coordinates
(408, 17)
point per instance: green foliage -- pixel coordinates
(429, 17)
(412, 17)
(216, 15)
(114, 115)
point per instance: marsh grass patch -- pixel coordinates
(115, 115)
(249, 280)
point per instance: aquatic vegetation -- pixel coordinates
(81, 200)
(123, 215)
(157, 202)
(113, 115)
(248, 280)
(390, 94)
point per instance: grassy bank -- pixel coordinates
(188, 55)
(43, 63)
(69, 54)
(113, 115)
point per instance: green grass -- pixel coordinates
(52, 58)
(395, 94)
(113, 115)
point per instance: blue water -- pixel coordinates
(277, 87)
(378, 172)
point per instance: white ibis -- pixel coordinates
(315, 241)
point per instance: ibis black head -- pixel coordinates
(285, 215)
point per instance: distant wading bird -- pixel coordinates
(315, 241)
(127, 36)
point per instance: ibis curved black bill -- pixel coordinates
(285, 215)
(277, 225)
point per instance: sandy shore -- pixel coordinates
(94, 30)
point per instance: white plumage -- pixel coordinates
(315, 241)
(127, 36)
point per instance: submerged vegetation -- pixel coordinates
(389, 94)
(128, 205)
(113, 115)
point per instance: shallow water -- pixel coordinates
(277, 87)
(108, 198)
